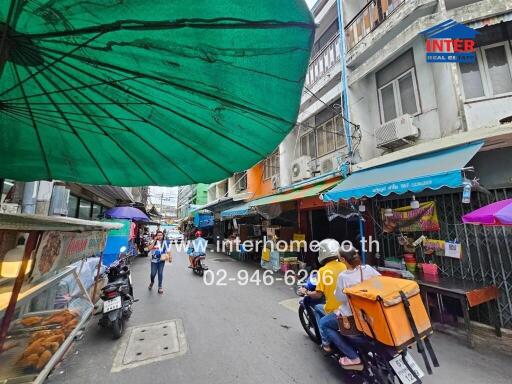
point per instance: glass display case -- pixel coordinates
(47, 316)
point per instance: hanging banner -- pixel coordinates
(407, 219)
(60, 249)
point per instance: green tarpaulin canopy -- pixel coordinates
(161, 92)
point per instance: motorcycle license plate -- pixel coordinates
(111, 305)
(401, 370)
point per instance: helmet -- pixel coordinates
(199, 233)
(328, 249)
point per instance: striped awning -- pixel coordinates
(248, 208)
(244, 209)
(295, 194)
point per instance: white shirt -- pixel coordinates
(347, 279)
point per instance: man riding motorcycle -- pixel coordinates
(197, 247)
(327, 277)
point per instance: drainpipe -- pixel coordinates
(344, 87)
(457, 81)
(346, 112)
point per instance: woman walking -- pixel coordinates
(160, 252)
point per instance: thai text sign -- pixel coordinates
(59, 249)
(423, 219)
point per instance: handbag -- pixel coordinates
(347, 324)
(166, 256)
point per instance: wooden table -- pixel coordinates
(470, 294)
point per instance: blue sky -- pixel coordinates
(311, 2)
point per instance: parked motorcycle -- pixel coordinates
(117, 296)
(378, 359)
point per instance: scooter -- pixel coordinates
(197, 263)
(117, 296)
(378, 359)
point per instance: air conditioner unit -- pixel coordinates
(396, 133)
(276, 181)
(301, 169)
(59, 201)
(331, 163)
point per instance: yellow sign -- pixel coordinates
(422, 219)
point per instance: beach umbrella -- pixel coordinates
(137, 92)
(126, 213)
(499, 213)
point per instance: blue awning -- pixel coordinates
(434, 170)
(244, 209)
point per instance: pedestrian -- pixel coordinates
(160, 252)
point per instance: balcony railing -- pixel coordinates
(324, 60)
(370, 17)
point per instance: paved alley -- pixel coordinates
(239, 334)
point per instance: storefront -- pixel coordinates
(279, 219)
(414, 209)
(45, 289)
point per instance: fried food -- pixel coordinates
(58, 338)
(61, 317)
(35, 348)
(43, 359)
(31, 321)
(28, 361)
(51, 346)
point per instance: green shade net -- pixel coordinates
(161, 92)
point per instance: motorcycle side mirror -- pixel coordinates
(122, 249)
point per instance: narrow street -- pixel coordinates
(239, 334)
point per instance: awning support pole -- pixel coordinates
(30, 245)
(363, 239)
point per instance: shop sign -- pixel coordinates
(60, 249)
(407, 219)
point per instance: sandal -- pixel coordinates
(327, 348)
(351, 365)
(160, 290)
(150, 286)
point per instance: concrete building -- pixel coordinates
(190, 197)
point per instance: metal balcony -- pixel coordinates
(368, 19)
(324, 60)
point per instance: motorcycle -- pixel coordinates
(197, 263)
(117, 296)
(381, 364)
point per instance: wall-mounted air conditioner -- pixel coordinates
(331, 163)
(396, 133)
(276, 181)
(301, 169)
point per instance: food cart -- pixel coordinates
(43, 303)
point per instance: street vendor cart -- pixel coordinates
(43, 302)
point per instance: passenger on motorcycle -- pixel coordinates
(326, 284)
(197, 247)
(354, 275)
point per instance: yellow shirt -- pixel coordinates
(327, 278)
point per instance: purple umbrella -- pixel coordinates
(499, 213)
(126, 213)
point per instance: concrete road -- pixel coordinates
(240, 334)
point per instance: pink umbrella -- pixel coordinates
(499, 213)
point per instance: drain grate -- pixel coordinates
(150, 343)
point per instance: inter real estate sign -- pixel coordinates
(450, 42)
